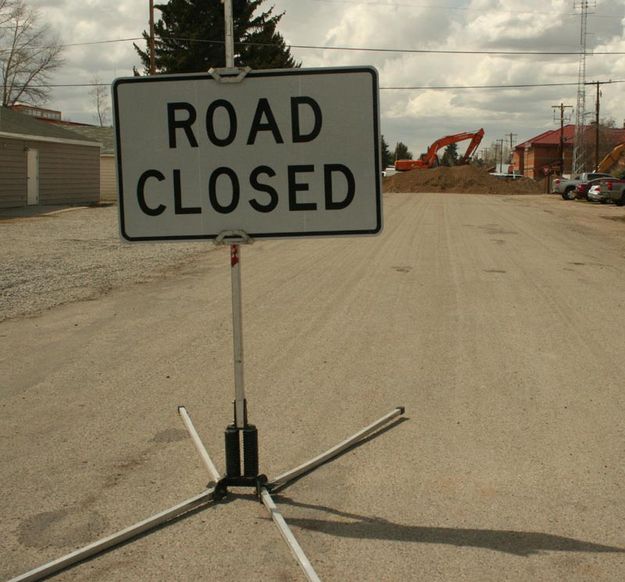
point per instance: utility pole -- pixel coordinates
(500, 142)
(152, 58)
(597, 108)
(511, 136)
(597, 127)
(561, 107)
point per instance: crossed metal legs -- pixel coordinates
(210, 496)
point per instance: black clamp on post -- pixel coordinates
(241, 474)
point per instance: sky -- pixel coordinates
(411, 110)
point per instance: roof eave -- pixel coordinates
(28, 137)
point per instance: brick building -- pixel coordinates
(536, 155)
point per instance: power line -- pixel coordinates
(104, 41)
(355, 49)
(382, 88)
(516, 86)
(93, 42)
(409, 51)
(442, 51)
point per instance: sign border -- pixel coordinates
(254, 73)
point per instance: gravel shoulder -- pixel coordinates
(74, 255)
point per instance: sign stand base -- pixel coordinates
(238, 474)
(217, 489)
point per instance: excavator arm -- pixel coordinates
(430, 158)
(614, 161)
(473, 145)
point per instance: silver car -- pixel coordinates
(594, 194)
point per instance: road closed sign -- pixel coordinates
(282, 153)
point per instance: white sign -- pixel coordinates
(283, 153)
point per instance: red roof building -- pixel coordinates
(535, 157)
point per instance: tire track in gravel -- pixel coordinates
(544, 303)
(329, 307)
(320, 304)
(562, 296)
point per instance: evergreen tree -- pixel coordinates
(450, 155)
(387, 157)
(189, 37)
(402, 152)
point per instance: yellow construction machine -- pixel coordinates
(614, 162)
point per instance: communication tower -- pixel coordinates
(579, 150)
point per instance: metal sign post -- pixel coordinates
(234, 476)
(350, 205)
(240, 413)
(229, 27)
(240, 419)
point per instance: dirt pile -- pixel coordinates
(464, 179)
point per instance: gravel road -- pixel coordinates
(72, 255)
(498, 322)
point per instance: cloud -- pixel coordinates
(421, 116)
(417, 117)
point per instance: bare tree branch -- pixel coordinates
(6, 10)
(100, 96)
(30, 53)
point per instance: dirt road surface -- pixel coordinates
(497, 322)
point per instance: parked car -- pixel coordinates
(614, 190)
(583, 188)
(594, 194)
(566, 188)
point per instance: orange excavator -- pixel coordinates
(430, 159)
